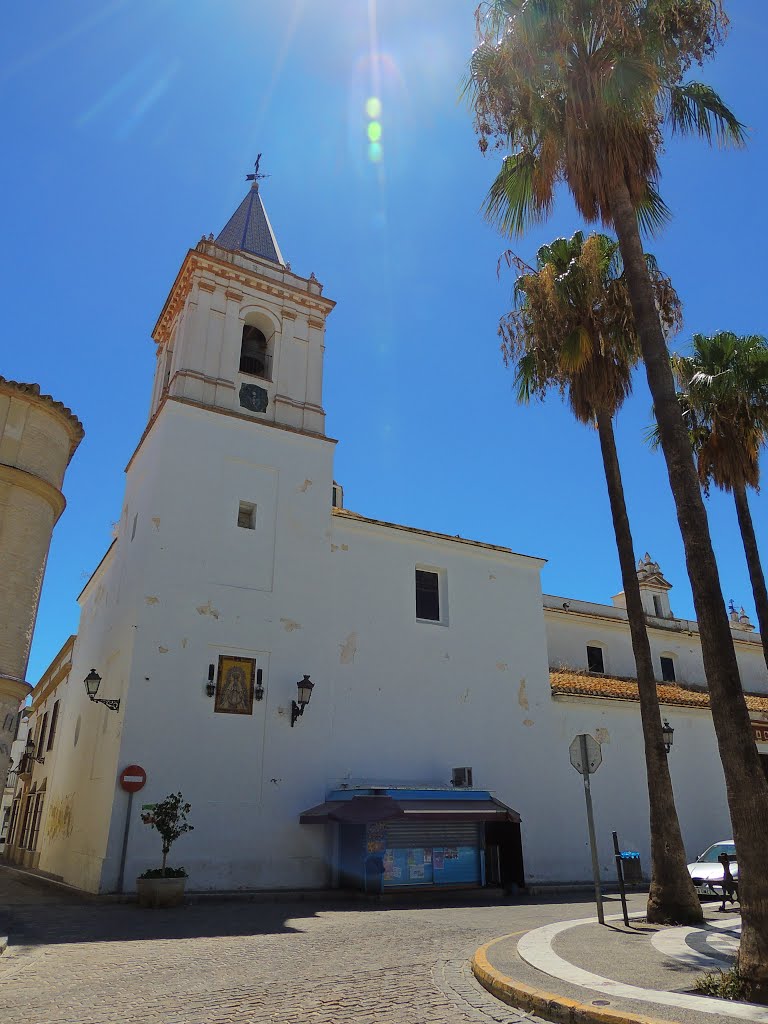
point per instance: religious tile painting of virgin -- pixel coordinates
(234, 686)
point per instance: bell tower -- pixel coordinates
(241, 332)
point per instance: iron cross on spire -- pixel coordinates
(256, 176)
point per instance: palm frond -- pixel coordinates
(653, 214)
(526, 378)
(629, 80)
(511, 202)
(696, 109)
(576, 351)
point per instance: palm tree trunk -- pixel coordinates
(746, 786)
(672, 898)
(756, 575)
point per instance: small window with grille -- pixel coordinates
(246, 516)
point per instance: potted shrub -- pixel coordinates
(164, 886)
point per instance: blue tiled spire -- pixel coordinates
(248, 229)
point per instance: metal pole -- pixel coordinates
(121, 876)
(620, 875)
(591, 826)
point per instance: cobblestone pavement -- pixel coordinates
(76, 962)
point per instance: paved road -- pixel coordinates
(72, 962)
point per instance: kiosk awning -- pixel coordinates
(362, 810)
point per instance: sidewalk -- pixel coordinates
(583, 971)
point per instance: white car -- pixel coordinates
(707, 873)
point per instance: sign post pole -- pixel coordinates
(131, 779)
(121, 876)
(591, 827)
(586, 758)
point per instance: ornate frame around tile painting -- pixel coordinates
(234, 685)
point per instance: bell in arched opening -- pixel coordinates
(254, 354)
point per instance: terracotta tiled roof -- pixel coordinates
(585, 684)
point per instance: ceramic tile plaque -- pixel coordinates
(234, 686)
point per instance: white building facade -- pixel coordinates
(235, 573)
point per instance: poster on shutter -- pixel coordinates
(438, 860)
(416, 870)
(451, 853)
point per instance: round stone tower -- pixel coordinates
(38, 437)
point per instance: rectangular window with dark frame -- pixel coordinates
(595, 659)
(667, 670)
(427, 595)
(52, 731)
(41, 737)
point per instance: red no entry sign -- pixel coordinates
(132, 778)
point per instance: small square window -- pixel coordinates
(668, 670)
(246, 516)
(595, 659)
(427, 595)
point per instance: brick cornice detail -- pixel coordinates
(29, 482)
(227, 272)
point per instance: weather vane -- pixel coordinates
(256, 176)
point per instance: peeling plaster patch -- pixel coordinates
(305, 486)
(184, 642)
(151, 600)
(492, 576)
(522, 696)
(162, 650)
(59, 822)
(334, 547)
(289, 625)
(602, 735)
(156, 522)
(345, 547)
(348, 649)
(528, 722)
(502, 666)
(207, 609)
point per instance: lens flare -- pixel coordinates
(373, 108)
(374, 131)
(375, 152)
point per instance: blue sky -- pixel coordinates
(129, 126)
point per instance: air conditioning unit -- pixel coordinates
(461, 778)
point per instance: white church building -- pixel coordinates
(446, 687)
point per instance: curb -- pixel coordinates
(551, 1007)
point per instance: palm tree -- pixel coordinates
(580, 92)
(724, 395)
(572, 330)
